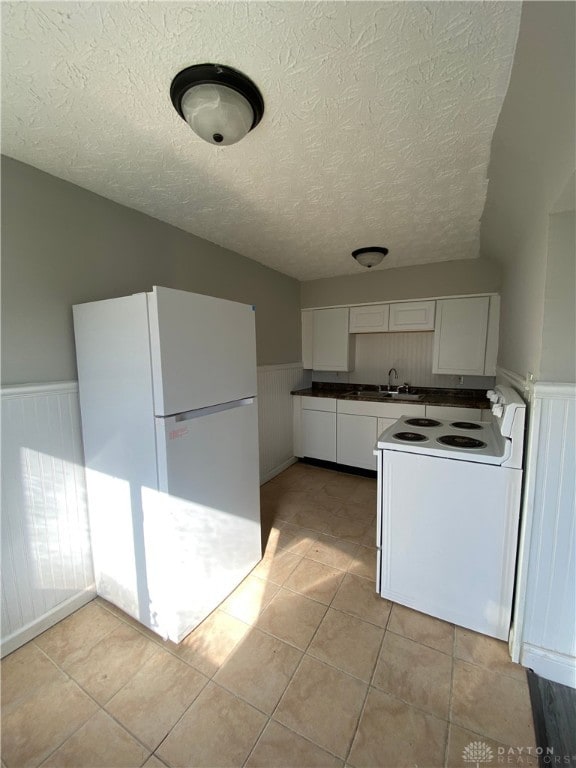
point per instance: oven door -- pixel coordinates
(448, 532)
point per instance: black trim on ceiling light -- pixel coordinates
(200, 74)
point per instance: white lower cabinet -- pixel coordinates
(346, 431)
(356, 438)
(360, 423)
(384, 424)
(319, 435)
(317, 428)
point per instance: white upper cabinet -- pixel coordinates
(465, 332)
(307, 337)
(371, 319)
(331, 340)
(326, 342)
(412, 316)
(492, 337)
(398, 317)
(466, 337)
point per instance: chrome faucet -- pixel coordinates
(392, 378)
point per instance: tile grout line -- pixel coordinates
(369, 686)
(418, 642)
(76, 612)
(76, 730)
(157, 747)
(157, 758)
(316, 531)
(450, 703)
(317, 536)
(258, 738)
(300, 735)
(304, 654)
(269, 716)
(153, 750)
(158, 641)
(102, 707)
(410, 704)
(297, 667)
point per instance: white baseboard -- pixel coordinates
(550, 664)
(36, 627)
(276, 471)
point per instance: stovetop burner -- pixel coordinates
(410, 437)
(466, 425)
(422, 422)
(461, 441)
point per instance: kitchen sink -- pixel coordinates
(367, 395)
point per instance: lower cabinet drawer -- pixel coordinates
(390, 410)
(319, 403)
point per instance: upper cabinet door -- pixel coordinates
(461, 334)
(331, 340)
(203, 350)
(372, 319)
(307, 337)
(412, 316)
(492, 337)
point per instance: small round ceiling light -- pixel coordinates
(220, 104)
(370, 257)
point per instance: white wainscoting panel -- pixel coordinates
(46, 556)
(275, 415)
(545, 621)
(47, 570)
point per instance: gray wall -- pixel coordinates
(558, 362)
(446, 278)
(63, 245)
(532, 159)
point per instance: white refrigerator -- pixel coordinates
(167, 385)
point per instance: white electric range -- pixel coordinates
(448, 510)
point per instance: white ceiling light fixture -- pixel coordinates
(370, 257)
(220, 104)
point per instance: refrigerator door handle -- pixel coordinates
(198, 413)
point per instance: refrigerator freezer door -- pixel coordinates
(202, 527)
(203, 350)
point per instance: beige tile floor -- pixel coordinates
(302, 666)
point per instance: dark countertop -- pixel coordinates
(462, 398)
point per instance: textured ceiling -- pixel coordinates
(377, 126)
